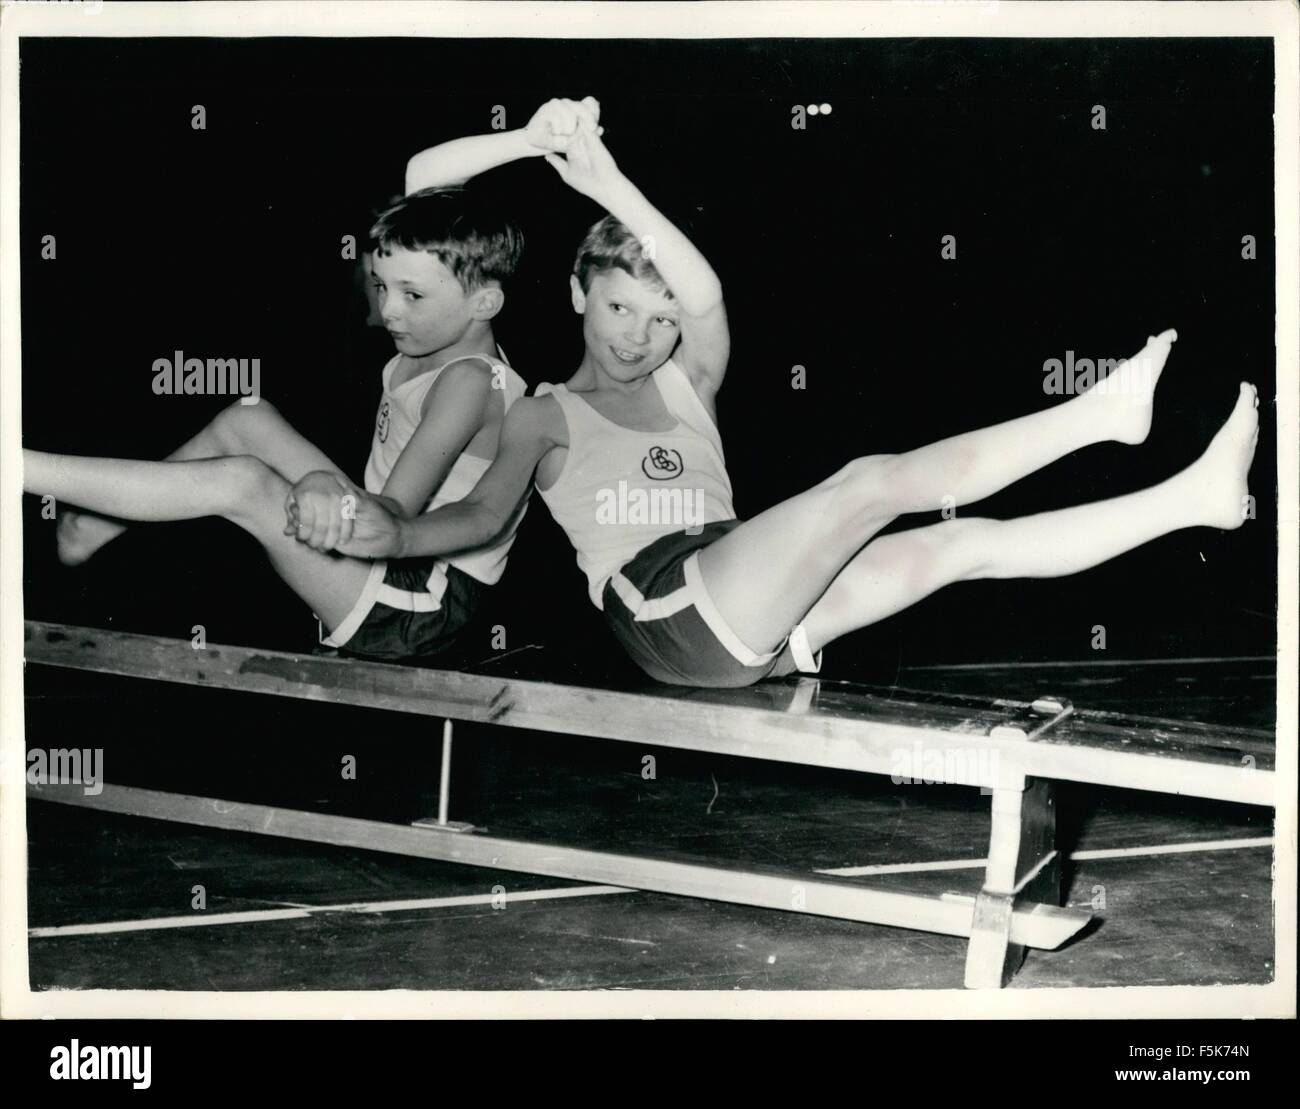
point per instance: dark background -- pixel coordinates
(226, 243)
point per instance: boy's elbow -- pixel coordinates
(410, 181)
(422, 172)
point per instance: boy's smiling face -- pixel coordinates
(422, 304)
(629, 326)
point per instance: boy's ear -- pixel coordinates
(578, 296)
(488, 301)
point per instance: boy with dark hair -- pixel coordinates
(441, 258)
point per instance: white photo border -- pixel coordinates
(1278, 20)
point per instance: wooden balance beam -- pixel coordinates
(1022, 748)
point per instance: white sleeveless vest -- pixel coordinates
(620, 490)
(399, 416)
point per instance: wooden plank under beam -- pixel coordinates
(1040, 927)
(719, 722)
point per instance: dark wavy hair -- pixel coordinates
(458, 227)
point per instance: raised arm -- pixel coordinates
(533, 426)
(455, 162)
(705, 346)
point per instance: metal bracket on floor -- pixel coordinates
(1032, 720)
(440, 823)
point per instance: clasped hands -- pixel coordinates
(568, 132)
(327, 512)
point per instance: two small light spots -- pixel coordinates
(819, 109)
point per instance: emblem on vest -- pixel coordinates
(661, 464)
(381, 424)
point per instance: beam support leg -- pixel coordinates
(1024, 868)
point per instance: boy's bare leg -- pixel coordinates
(895, 572)
(240, 488)
(969, 467)
(766, 574)
(256, 429)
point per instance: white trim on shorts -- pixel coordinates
(376, 591)
(801, 651)
(717, 624)
(658, 609)
(692, 593)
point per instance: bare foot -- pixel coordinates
(1123, 399)
(81, 534)
(1219, 475)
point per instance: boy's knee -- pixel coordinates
(965, 546)
(251, 485)
(864, 487)
(239, 427)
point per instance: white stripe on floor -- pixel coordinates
(903, 868)
(1108, 853)
(1061, 664)
(204, 920)
(301, 912)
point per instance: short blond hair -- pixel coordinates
(610, 245)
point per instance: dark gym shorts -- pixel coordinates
(407, 608)
(658, 609)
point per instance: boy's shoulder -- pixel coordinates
(540, 418)
(469, 371)
(404, 368)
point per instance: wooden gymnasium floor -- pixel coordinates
(1181, 887)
